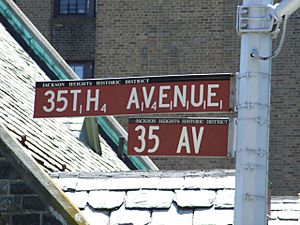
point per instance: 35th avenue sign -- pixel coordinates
(178, 137)
(133, 95)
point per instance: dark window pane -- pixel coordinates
(72, 6)
(78, 69)
(82, 69)
(63, 7)
(81, 4)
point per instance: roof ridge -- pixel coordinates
(146, 174)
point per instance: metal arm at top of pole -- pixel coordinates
(270, 15)
(270, 20)
(286, 8)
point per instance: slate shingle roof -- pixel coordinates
(46, 140)
(163, 198)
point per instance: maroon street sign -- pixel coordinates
(135, 95)
(178, 137)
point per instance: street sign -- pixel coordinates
(135, 95)
(178, 136)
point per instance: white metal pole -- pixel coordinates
(253, 121)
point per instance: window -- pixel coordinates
(83, 69)
(75, 7)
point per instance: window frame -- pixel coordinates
(89, 9)
(88, 68)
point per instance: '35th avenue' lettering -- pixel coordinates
(128, 96)
(172, 97)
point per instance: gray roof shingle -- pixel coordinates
(172, 216)
(46, 140)
(129, 216)
(106, 199)
(196, 198)
(144, 199)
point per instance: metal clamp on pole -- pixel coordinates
(259, 151)
(246, 22)
(250, 197)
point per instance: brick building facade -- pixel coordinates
(131, 38)
(19, 203)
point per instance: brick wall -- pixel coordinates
(39, 15)
(165, 37)
(72, 36)
(19, 205)
(285, 108)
